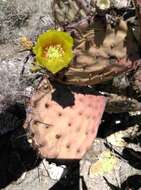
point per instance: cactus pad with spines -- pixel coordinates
(63, 123)
(100, 45)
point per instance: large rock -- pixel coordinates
(17, 19)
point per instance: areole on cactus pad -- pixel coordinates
(63, 122)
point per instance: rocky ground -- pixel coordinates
(114, 159)
(113, 162)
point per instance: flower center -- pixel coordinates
(53, 52)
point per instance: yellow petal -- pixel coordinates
(54, 39)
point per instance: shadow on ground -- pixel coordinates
(110, 125)
(16, 155)
(71, 177)
(132, 156)
(132, 183)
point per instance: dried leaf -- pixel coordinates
(117, 139)
(105, 164)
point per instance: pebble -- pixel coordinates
(119, 4)
(55, 172)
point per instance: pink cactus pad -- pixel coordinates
(63, 132)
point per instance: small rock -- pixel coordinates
(119, 4)
(55, 172)
(28, 91)
(84, 167)
(117, 139)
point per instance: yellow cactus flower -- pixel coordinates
(53, 50)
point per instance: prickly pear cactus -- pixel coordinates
(94, 64)
(74, 16)
(62, 122)
(100, 46)
(71, 11)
